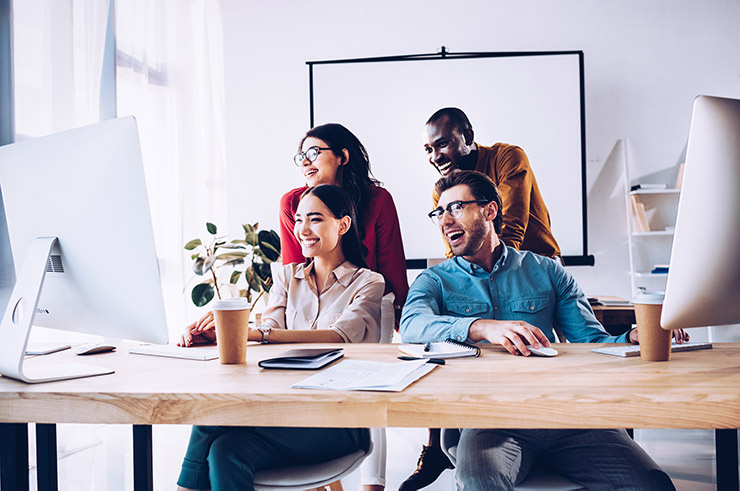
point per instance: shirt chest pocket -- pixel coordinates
(528, 305)
(464, 308)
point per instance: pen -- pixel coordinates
(428, 346)
(436, 361)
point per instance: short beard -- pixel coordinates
(475, 238)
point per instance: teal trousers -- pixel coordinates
(225, 458)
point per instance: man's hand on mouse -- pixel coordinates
(514, 336)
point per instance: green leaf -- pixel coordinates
(269, 251)
(228, 256)
(203, 265)
(265, 285)
(235, 277)
(252, 238)
(262, 270)
(198, 266)
(193, 244)
(234, 244)
(248, 229)
(233, 262)
(212, 229)
(195, 256)
(255, 284)
(202, 294)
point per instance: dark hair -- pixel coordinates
(481, 187)
(355, 176)
(340, 205)
(455, 115)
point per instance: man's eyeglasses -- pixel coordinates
(455, 209)
(311, 154)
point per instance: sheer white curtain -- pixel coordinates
(58, 55)
(170, 77)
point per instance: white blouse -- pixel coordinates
(348, 305)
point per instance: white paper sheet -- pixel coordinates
(367, 375)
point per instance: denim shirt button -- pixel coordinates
(467, 311)
(531, 307)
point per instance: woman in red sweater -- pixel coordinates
(331, 154)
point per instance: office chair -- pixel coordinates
(539, 478)
(300, 477)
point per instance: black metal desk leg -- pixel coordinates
(13, 456)
(143, 467)
(46, 457)
(725, 443)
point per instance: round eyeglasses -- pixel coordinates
(311, 154)
(454, 209)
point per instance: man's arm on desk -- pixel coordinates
(423, 316)
(424, 319)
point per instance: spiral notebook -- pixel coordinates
(441, 349)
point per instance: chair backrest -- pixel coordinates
(387, 317)
(300, 477)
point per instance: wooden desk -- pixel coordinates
(577, 389)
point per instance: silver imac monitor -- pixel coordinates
(82, 242)
(703, 286)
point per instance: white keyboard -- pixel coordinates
(174, 351)
(634, 349)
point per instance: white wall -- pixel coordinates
(645, 61)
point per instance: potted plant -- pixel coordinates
(246, 262)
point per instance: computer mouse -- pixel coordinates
(542, 351)
(93, 348)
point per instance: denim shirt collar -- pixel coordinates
(474, 269)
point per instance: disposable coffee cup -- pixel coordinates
(655, 342)
(232, 316)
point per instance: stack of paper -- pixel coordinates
(367, 375)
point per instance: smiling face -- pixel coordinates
(317, 230)
(468, 233)
(446, 145)
(325, 169)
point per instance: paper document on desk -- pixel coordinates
(367, 375)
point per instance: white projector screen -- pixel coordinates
(533, 100)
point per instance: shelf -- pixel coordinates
(654, 233)
(656, 191)
(648, 274)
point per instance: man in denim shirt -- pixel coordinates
(490, 292)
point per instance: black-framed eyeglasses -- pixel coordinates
(311, 154)
(454, 209)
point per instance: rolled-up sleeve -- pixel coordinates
(360, 321)
(274, 314)
(423, 317)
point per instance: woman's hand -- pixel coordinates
(202, 331)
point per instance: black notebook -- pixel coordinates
(303, 359)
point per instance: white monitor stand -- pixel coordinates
(18, 320)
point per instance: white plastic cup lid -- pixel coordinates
(649, 298)
(236, 303)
